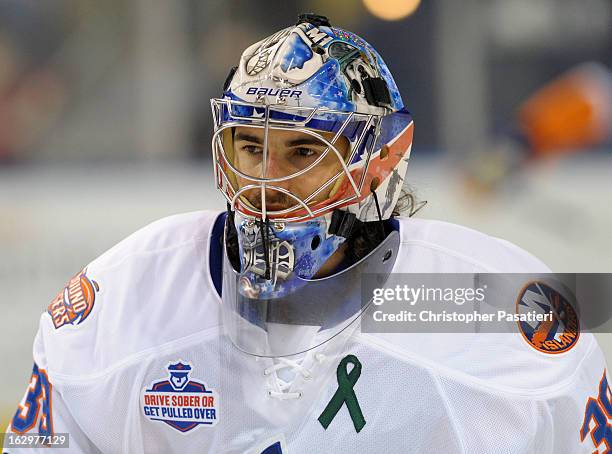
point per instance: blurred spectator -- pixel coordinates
(31, 89)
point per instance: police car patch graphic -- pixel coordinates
(553, 337)
(179, 401)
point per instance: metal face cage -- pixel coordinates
(362, 131)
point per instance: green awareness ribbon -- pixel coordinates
(345, 394)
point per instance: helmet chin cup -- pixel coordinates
(277, 258)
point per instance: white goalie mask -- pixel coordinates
(311, 138)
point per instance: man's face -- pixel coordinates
(288, 152)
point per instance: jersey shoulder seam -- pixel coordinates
(196, 239)
(165, 348)
(136, 254)
(451, 252)
(472, 381)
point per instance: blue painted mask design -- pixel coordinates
(295, 252)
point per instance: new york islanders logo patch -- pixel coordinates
(556, 336)
(180, 402)
(74, 302)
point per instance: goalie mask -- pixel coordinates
(311, 139)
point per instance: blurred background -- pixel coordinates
(105, 126)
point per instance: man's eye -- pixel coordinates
(251, 149)
(305, 152)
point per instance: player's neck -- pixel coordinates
(332, 263)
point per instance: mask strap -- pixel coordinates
(343, 224)
(380, 221)
(263, 228)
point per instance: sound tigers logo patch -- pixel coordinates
(74, 302)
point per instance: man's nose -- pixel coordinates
(276, 167)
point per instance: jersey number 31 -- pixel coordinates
(597, 417)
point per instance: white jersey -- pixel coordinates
(131, 357)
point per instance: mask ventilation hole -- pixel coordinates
(374, 184)
(387, 255)
(384, 152)
(316, 241)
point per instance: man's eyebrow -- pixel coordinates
(247, 137)
(304, 141)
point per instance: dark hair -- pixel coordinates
(407, 204)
